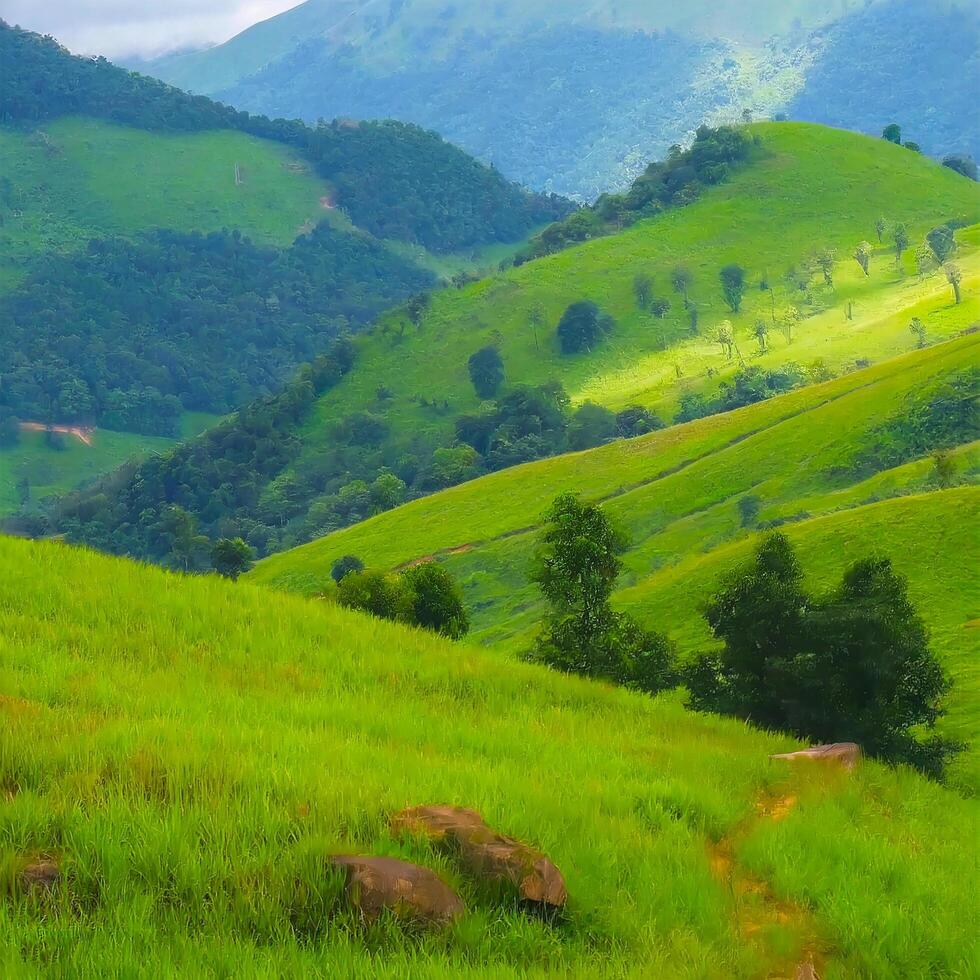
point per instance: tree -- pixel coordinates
(943, 469)
(635, 420)
(759, 615)
(342, 567)
(576, 568)
(863, 256)
(186, 545)
(535, 317)
(582, 326)
(880, 225)
(591, 425)
(692, 314)
(642, 289)
(892, 133)
(660, 307)
(748, 509)
(918, 329)
(681, 279)
(381, 594)
(942, 242)
(436, 604)
(486, 369)
(231, 557)
(725, 339)
(900, 235)
(761, 333)
(954, 276)
(870, 676)
(852, 666)
(826, 259)
(733, 285)
(416, 308)
(964, 165)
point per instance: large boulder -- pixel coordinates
(487, 854)
(411, 892)
(846, 754)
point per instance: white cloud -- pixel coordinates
(119, 28)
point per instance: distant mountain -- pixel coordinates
(577, 97)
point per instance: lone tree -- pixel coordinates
(733, 285)
(954, 276)
(942, 242)
(643, 290)
(880, 225)
(582, 326)
(854, 665)
(900, 236)
(535, 319)
(345, 566)
(863, 256)
(660, 307)
(576, 568)
(681, 279)
(892, 133)
(231, 557)
(761, 333)
(918, 329)
(486, 368)
(725, 339)
(437, 604)
(826, 259)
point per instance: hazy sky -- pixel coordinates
(117, 28)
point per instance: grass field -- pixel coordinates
(189, 750)
(78, 178)
(53, 471)
(676, 493)
(774, 213)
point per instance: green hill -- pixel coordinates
(394, 413)
(189, 778)
(812, 460)
(164, 256)
(529, 85)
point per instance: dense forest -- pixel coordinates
(666, 184)
(394, 180)
(128, 335)
(919, 65)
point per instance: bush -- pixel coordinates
(343, 567)
(437, 605)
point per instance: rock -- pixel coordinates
(806, 971)
(847, 754)
(40, 876)
(409, 891)
(487, 854)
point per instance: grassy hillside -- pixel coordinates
(79, 178)
(190, 777)
(677, 492)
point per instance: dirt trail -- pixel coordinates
(81, 433)
(757, 908)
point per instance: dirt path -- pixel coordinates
(758, 909)
(81, 433)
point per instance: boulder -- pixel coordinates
(40, 876)
(846, 754)
(409, 891)
(487, 854)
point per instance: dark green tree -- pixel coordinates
(345, 566)
(382, 594)
(682, 280)
(486, 369)
(900, 236)
(437, 604)
(582, 326)
(733, 285)
(591, 425)
(231, 557)
(577, 567)
(964, 165)
(892, 133)
(642, 290)
(942, 242)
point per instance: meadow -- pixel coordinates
(775, 213)
(100, 179)
(190, 750)
(49, 471)
(677, 492)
